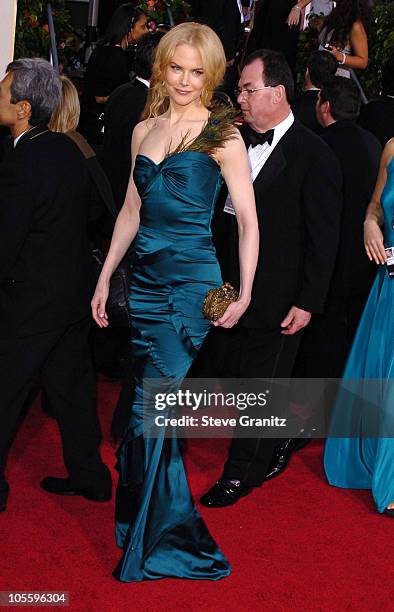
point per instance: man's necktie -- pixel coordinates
(259, 138)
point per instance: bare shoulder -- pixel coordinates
(233, 148)
(389, 147)
(143, 128)
(388, 152)
(358, 28)
(141, 131)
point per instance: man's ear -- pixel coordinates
(279, 94)
(326, 107)
(23, 109)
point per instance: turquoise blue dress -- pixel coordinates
(157, 525)
(368, 462)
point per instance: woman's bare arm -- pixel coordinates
(236, 172)
(294, 16)
(126, 227)
(359, 44)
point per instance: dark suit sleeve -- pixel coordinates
(16, 206)
(224, 18)
(195, 8)
(113, 73)
(322, 202)
(232, 29)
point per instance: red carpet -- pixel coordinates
(295, 544)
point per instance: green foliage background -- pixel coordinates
(156, 10)
(31, 35)
(381, 46)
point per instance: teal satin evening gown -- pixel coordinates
(368, 462)
(157, 525)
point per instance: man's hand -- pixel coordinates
(295, 320)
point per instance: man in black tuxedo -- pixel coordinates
(297, 184)
(225, 17)
(378, 116)
(270, 30)
(45, 280)
(122, 113)
(327, 340)
(321, 66)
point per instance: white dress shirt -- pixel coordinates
(143, 81)
(20, 136)
(259, 154)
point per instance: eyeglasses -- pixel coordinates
(249, 92)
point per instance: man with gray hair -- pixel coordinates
(45, 280)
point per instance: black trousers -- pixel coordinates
(263, 354)
(63, 359)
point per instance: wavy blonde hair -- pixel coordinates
(65, 117)
(207, 43)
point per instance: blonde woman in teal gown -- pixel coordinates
(368, 462)
(180, 155)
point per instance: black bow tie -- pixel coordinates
(259, 138)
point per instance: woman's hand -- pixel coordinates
(339, 55)
(232, 315)
(294, 17)
(98, 303)
(373, 242)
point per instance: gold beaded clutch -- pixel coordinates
(218, 300)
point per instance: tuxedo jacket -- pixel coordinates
(270, 30)
(4, 141)
(224, 18)
(358, 152)
(298, 196)
(122, 113)
(304, 108)
(45, 262)
(378, 117)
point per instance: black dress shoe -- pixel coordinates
(281, 457)
(224, 493)
(64, 486)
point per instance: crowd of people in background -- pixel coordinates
(322, 304)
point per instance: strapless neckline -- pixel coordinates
(174, 155)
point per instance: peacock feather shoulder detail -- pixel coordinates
(218, 130)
